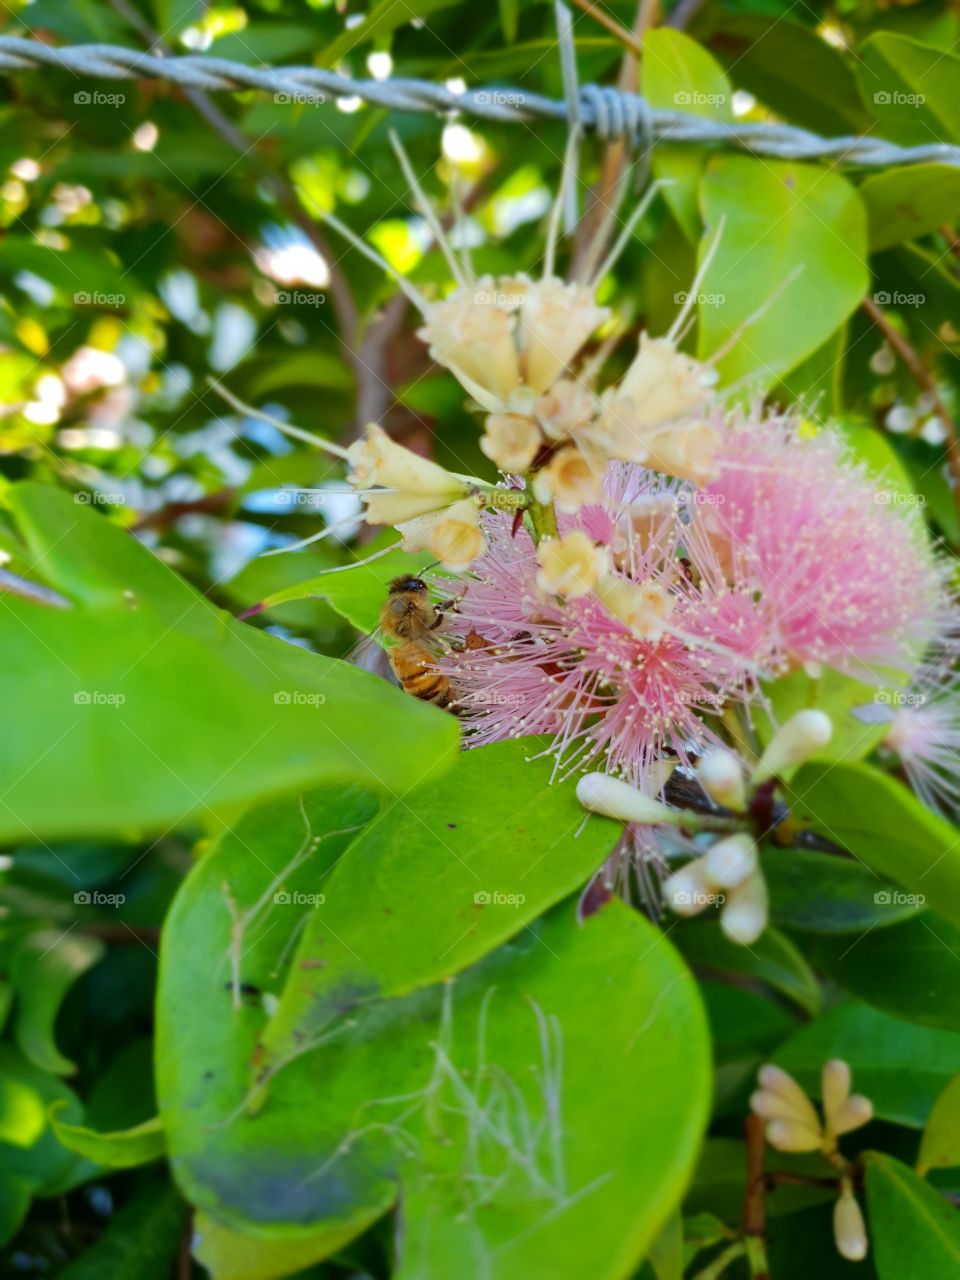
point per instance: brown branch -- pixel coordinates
(754, 1201)
(610, 24)
(925, 379)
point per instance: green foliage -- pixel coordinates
(286, 980)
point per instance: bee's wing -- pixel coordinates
(369, 655)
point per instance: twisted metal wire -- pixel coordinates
(606, 110)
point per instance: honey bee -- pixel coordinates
(409, 617)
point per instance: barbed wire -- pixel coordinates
(606, 110)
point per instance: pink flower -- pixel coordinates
(925, 732)
(842, 567)
(531, 663)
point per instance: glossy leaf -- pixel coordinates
(915, 1232)
(824, 893)
(679, 75)
(47, 965)
(778, 217)
(878, 820)
(193, 711)
(772, 960)
(940, 1146)
(911, 969)
(911, 89)
(903, 204)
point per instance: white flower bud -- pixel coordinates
(566, 408)
(569, 566)
(803, 734)
(688, 891)
(728, 862)
(473, 336)
(721, 776)
(687, 451)
(745, 912)
(556, 319)
(614, 798)
(378, 460)
(664, 384)
(456, 539)
(849, 1228)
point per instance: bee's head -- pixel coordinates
(405, 584)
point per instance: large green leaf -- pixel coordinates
(463, 868)
(914, 1231)
(791, 69)
(911, 969)
(679, 75)
(881, 822)
(903, 204)
(140, 703)
(820, 893)
(388, 1101)
(911, 89)
(779, 217)
(900, 1066)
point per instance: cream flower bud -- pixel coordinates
(744, 915)
(849, 1228)
(565, 408)
(834, 1088)
(614, 798)
(556, 319)
(776, 1082)
(384, 506)
(453, 534)
(664, 384)
(569, 566)
(790, 1135)
(795, 741)
(511, 441)
(687, 452)
(569, 480)
(472, 334)
(688, 891)
(856, 1111)
(378, 460)
(720, 775)
(728, 862)
(643, 606)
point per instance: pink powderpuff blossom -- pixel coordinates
(842, 566)
(924, 731)
(523, 662)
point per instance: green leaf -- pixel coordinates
(910, 969)
(237, 1255)
(47, 965)
(141, 1240)
(779, 217)
(821, 893)
(878, 820)
(679, 75)
(32, 1161)
(122, 1150)
(900, 1066)
(940, 1146)
(903, 204)
(910, 88)
(772, 959)
(142, 704)
(399, 1079)
(456, 874)
(792, 70)
(666, 1252)
(915, 1233)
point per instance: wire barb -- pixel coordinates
(603, 109)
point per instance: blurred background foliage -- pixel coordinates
(151, 239)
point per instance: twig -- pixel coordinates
(723, 1260)
(754, 1202)
(610, 24)
(925, 379)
